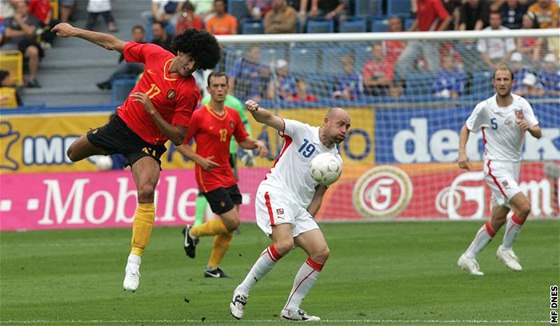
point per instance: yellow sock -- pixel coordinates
(219, 249)
(142, 227)
(212, 227)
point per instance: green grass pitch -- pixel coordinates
(378, 273)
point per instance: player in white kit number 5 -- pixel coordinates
(503, 118)
(286, 202)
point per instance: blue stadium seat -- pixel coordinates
(320, 26)
(354, 25)
(482, 84)
(303, 60)
(238, 8)
(271, 53)
(398, 7)
(368, 8)
(419, 84)
(330, 63)
(249, 26)
(380, 25)
(121, 88)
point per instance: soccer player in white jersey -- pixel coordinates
(286, 202)
(503, 118)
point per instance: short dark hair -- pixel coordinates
(135, 27)
(200, 45)
(217, 74)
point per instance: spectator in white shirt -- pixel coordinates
(495, 51)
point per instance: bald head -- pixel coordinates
(336, 125)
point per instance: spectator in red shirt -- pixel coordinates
(158, 109)
(377, 74)
(188, 20)
(430, 16)
(213, 127)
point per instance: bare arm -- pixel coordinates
(175, 133)
(106, 41)
(205, 162)
(317, 200)
(250, 143)
(463, 139)
(535, 131)
(264, 116)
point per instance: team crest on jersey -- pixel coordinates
(505, 183)
(171, 94)
(508, 122)
(519, 114)
(231, 124)
(279, 211)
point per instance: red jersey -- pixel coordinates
(212, 134)
(39, 9)
(174, 97)
(429, 11)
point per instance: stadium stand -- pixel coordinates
(368, 8)
(250, 26)
(320, 26)
(12, 61)
(355, 25)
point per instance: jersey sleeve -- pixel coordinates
(185, 107)
(529, 114)
(293, 128)
(139, 52)
(477, 118)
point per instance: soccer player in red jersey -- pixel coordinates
(158, 109)
(213, 125)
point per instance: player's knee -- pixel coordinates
(232, 225)
(322, 255)
(146, 193)
(284, 246)
(524, 210)
(72, 154)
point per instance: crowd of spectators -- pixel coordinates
(450, 65)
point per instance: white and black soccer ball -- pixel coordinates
(104, 163)
(326, 168)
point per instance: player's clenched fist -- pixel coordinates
(252, 106)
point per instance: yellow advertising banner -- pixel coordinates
(38, 143)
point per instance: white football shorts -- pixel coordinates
(502, 177)
(274, 207)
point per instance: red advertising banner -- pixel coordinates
(434, 191)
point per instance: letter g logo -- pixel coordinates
(382, 192)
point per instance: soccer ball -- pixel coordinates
(104, 163)
(326, 168)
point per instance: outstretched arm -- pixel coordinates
(264, 116)
(317, 200)
(463, 139)
(205, 163)
(104, 40)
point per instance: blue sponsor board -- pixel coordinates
(432, 135)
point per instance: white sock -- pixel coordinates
(305, 278)
(134, 259)
(513, 227)
(484, 235)
(262, 266)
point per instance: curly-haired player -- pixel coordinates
(158, 109)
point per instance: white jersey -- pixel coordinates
(503, 139)
(291, 171)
